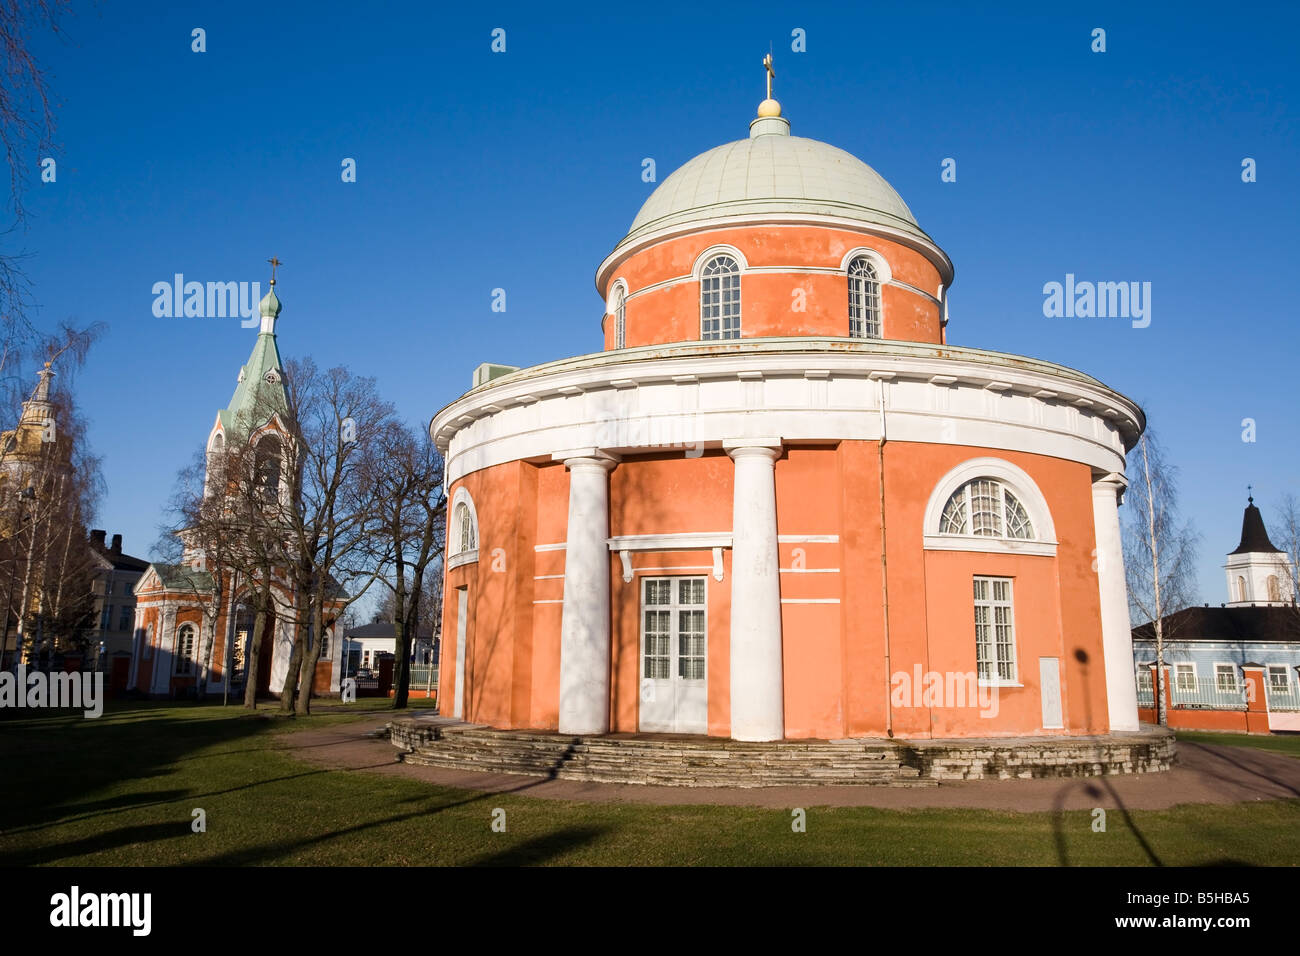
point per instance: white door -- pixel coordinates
(1049, 684)
(462, 620)
(674, 653)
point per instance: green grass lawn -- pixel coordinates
(120, 790)
(1289, 745)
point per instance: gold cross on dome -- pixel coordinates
(275, 263)
(771, 73)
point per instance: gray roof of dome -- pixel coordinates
(774, 174)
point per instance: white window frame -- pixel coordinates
(703, 262)
(673, 606)
(1219, 685)
(968, 510)
(1190, 666)
(996, 679)
(458, 555)
(618, 309)
(1285, 671)
(1015, 480)
(183, 664)
(870, 324)
(1146, 678)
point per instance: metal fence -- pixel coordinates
(1283, 698)
(1201, 693)
(423, 676)
(1207, 693)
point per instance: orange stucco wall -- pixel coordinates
(833, 589)
(664, 299)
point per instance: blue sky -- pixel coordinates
(521, 170)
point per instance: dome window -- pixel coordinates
(864, 299)
(620, 318)
(986, 507)
(720, 299)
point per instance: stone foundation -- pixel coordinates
(681, 761)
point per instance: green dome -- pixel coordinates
(770, 173)
(270, 305)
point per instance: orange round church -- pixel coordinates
(777, 504)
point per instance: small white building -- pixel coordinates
(363, 646)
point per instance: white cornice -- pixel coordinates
(694, 395)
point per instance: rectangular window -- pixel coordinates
(657, 658)
(1185, 677)
(675, 639)
(108, 586)
(690, 629)
(1225, 677)
(325, 647)
(125, 617)
(1279, 679)
(106, 618)
(1144, 678)
(995, 637)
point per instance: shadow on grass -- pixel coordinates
(541, 849)
(54, 765)
(108, 840)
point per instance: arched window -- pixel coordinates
(720, 298)
(217, 464)
(620, 318)
(1274, 591)
(986, 507)
(1241, 588)
(864, 299)
(464, 529)
(184, 659)
(268, 466)
(463, 534)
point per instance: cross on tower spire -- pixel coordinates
(275, 263)
(771, 73)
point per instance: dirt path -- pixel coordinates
(1204, 774)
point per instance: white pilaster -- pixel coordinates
(1116, 635)
(757, 673)
(584, 630)
(160, 680)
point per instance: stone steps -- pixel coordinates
(664, 762)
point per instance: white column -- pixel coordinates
(757, 676)
(584, 631)
(1116, 635)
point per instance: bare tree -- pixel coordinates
(411, 508)
(27, 138)
(1287, 532)
(1159, 549)
(336, 423)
